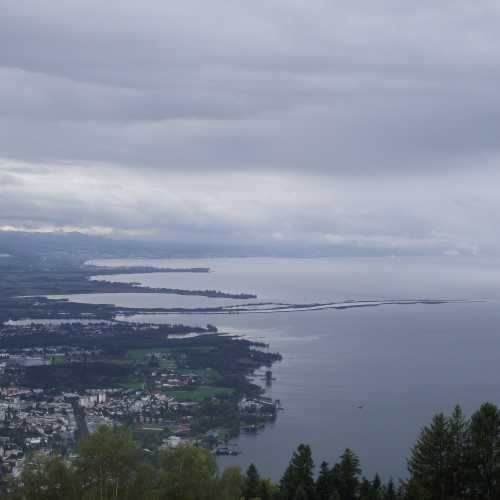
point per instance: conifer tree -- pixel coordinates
(485, 452)
(324, 487)
(376, 491)
(252, 484)
(459, 453)
(430, 460)
(299, 474)
(348, 475)
(365, 489)
(390, 491)
(300, 494)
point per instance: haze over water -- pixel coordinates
(365, 378)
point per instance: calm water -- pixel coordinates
(401, 364)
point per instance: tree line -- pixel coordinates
(454, 458)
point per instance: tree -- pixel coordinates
(485, 452)
(453, 459)
(48, 478)
(268, 490)
(252, 484)
(300, 493)
(410, 490)
(390, 491)
(430, 460)
(107, 463)
(347, 475)
(299, 475)
(459, 452)
(376, 491)
(365, 489)
(230, 484)
(144, 484)
(324, 487)
(188, 473)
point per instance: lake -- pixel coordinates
(366, 378)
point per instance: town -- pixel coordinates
(169, 384)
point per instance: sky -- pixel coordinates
(370, 125)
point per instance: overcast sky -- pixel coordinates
(372, 124)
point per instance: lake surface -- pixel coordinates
(364, 378)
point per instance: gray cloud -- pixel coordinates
(322, 85)
(377, 97)
(416, 214)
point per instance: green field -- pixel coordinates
(199, 394)
(114, 360)
(59, 360)
(133, 385)
(140, 354)
(209, 375)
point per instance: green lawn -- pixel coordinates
(209, 375)
(199, 394)
(114, 360)
(167, 364)
(140, 354)
(59, 360)
(133, 385)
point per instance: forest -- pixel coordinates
(454, 458)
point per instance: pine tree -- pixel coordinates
(485, 452)
(299, 474)
(409, 490)
(459, 452)
(348, 475)
(370, 490)
(376, 490)
(390, 491)
(335, 477)
(324, 487)
(252, 485)
(430, 460)
(300, 494)
(365, 489)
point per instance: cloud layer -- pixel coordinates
(370, 124)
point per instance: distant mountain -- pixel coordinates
(79, 246)
(82, 246)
